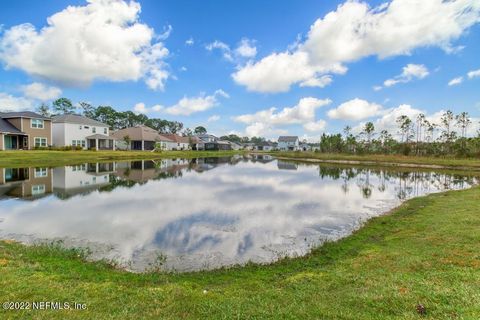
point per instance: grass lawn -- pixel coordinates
(449, 162)
(425, 252)
(59, 158)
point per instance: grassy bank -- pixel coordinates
(425, 252)
(58, 158)
(384, 160)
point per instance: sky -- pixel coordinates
(252, 68)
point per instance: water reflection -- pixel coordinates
(202, 213)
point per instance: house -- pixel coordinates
(235, 146)
(217, 145)
(288, 143)
(141, 138)
(202, 139)
(249, 146)
(305, 147)
(24, 130)
(181, 143)
(264, 146)
(79, 131)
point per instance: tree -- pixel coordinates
(463, 122)
(187, 132)
(200, 130)
(369, 130)
(405, 126)
(420, 123)
(107, 115)
(63, 106)
(88, 110)
(175, 126)
(44, 110)
(127, 141)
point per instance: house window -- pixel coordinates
(37, 123)
(40, 172)
(40, 142)
(78, 143)
(38, 189)
(83, 143)
(86, 127)
(80, 127)
(105, 130)
(94, 130)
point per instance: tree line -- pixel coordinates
(418, 136)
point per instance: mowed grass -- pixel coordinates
(425, 252)
(376, 159)
(58, 158)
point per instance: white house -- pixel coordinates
(79, 131)
(78, 179)
(288, 143)
(180, 143)
(264, 146)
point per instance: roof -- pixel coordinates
(139, 133)
(177, 138)
(264, 144)
(100, 137)
(287, 138)
(78, 119)
(7, 127)
(22, 114)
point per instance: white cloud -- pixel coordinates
(183, 69)
(223, 47)
(473, 74)
(41, 92)
(319, 82)
(266, 122)
(301, 113)
(410, 72)
(355, 109)
(354, 31)
(187, 106)
(455, 81)
(213, 118)
(12, 103)
(246, 48)
(189, 42)
(317, 126)
(166, 33)
(103, 40)
(142, 108)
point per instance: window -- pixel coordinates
(94, 130)
(78, 143)
(86, 127)
(40, 142)
(83, 143)
(37, 123)
(38, 189)
(80, 127)
(105, 130)
(40, 172)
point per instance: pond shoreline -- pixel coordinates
(421, 248)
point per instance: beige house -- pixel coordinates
(24, 130)
(25, 183)
(141, 138)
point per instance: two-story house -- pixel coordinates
(288, 143)
(79, 131)
(24, 130)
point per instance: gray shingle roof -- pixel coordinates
(23, 114)
(7, 127)
(287, 138)
(78, 119)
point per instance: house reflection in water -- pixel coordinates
(26, 183)
(80, 179)
(285, 165)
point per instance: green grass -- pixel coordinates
(58, 158)
(425, 252)
(450, 162)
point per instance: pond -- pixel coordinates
(186, 215)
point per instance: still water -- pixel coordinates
(185, 215)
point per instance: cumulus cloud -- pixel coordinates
(142, 108)
(319, 82)
(213, 118)
(12, 103)
(355, 109)
(266, 122)
(188, 105)
(455, 81)
(354, 31)
(103, 40)
(189, 42)
(39, 91)
(473, 74)
(246, 48)
(409, 73)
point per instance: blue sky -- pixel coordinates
(321, 65)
